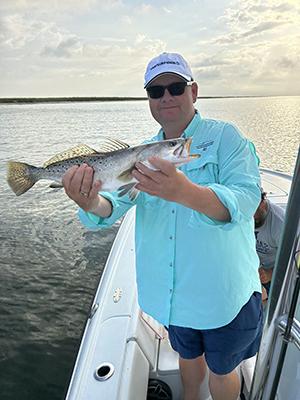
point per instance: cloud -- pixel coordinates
(54, 6)
(15, 31)
(144, 9)
(262, 27)
(64, 48)
(286, 62)
(72, 47)
(257, 29)
(249, 11)
(126, 19)
(205, 74)
(249, 19)
(204, 60)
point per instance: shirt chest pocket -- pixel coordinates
(203, 171)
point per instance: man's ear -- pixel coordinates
(194, 91)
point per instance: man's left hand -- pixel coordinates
(265, 274)
(167, 182)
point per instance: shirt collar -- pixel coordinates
(192, 126)
(189, 130)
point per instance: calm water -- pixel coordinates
(50, 265)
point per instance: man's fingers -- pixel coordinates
(78, 181)
(144, 178)
(77, 178)
(87, 181)
(95, 189)
(66, 180)
(156, 176)
(145, 189)
(166, 167)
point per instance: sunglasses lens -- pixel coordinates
(155, 92)
(177, 88)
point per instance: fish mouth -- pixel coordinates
(187, 145)
(178, 151)
(185, 148)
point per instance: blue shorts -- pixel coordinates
(224, 347)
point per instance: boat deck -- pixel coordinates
(121, 347)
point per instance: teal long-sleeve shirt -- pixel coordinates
(194, 271)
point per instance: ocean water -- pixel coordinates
(49, 264)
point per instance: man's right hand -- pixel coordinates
(78, 184)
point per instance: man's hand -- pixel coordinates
(265, 275)
(78, 184)
(167, 182)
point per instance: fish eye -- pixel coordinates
(173, 143)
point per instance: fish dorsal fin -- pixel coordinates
(112, 145)
(77, 151)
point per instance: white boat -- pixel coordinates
(125, 354)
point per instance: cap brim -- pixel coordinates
(185, 77)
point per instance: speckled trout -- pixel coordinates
(113, 164)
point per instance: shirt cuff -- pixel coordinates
(94, 222)
(229, 201)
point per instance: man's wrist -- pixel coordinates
(103, 207)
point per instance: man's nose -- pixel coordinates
(167, 95)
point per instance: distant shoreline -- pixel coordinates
(26, 100)
(30, 100)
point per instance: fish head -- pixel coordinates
(177, 151)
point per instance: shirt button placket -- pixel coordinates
(172, 250)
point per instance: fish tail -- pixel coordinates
(21, 176)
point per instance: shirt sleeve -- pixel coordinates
(120, 205)
(238, 186)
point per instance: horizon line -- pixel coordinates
(115, 98)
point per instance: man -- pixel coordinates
(196, 264)
(269, 219)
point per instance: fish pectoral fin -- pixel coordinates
(110, 145)
(130, 189)
(133, 193)
(56, 185)
(125, 188)
(77, 151)
(126, 175)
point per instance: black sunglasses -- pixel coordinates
(175, 89)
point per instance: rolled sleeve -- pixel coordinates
(241, 202)
(119, 207)
(238, 185)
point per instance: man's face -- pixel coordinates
(260, 214)
(172, 109)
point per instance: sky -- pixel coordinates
(101, 48)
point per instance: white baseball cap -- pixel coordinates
(167, 63)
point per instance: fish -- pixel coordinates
(113, 164)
